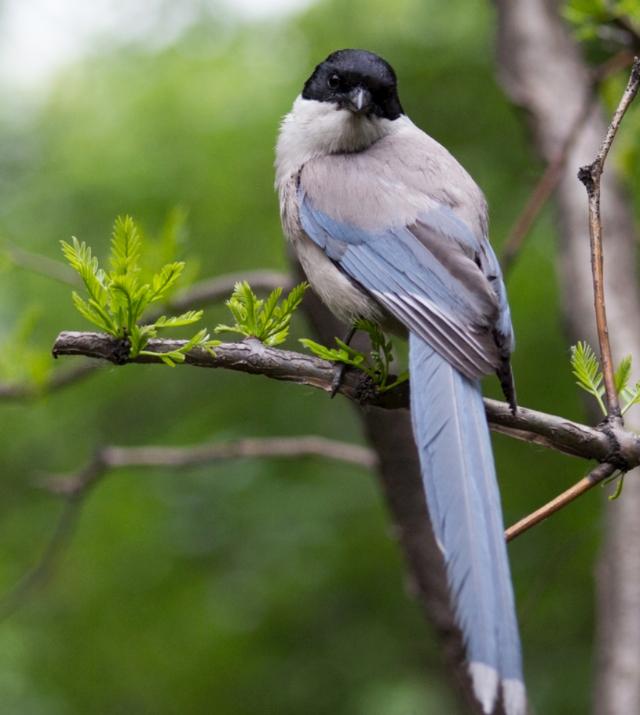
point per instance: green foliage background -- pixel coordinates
(256, 586)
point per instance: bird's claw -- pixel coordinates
(336, 382)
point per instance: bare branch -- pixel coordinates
(596, 476)
(543, 191)
(115, 457)
(46, 564)
(76, 487)
(553, 173)
(590, 175)
(43, 265)
(58, 380)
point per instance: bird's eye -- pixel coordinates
(334, 81)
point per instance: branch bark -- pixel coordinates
(542, 70)
(591, 176)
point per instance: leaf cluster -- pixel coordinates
(376, 363)
(267, 320)
(586, 368)
(116, 299)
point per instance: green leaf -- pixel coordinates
(117, 300)
(175, 321)
(586, 369)
(93, 315)
(623, 375)
(79, 257)
(172, 234)
(376, 364)
(267, 320)
(632, 397)
(348, 357)
(617, 477)
(619, 486)
(126, 244)
(275, 327)
(162, 282)
(270, 304)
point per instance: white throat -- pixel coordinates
(315, 128)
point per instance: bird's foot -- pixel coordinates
(340, 368)
(338, 376)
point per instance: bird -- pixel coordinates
(388, 226)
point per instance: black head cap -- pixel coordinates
(345, 71)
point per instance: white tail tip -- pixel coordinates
(514, 697)
(485, 685)
(485, 681)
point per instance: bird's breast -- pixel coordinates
(339, 293)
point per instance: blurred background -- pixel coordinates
(258, 586)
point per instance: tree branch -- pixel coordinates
(75, 488)
(553, 172)
(116, 457)
(41, 572)
(610, 444)
(58, 380)
(543, 71)
(596, 476)
(203, 293)
(590, 175)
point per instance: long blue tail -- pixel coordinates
(451, 432)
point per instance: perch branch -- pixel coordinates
(590, 175)
(613, 444)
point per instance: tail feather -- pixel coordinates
(458, 472)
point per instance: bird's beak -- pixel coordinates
(359, 100)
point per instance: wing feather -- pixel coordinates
(441, 295)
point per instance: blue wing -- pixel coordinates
(434, 276)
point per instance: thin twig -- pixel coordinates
(552, 174)
(43, 265)
(75, 488)
(59, 379)
(597, 475)
(117, 457)
(543, 190)
(45, 566)
(590, 176)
